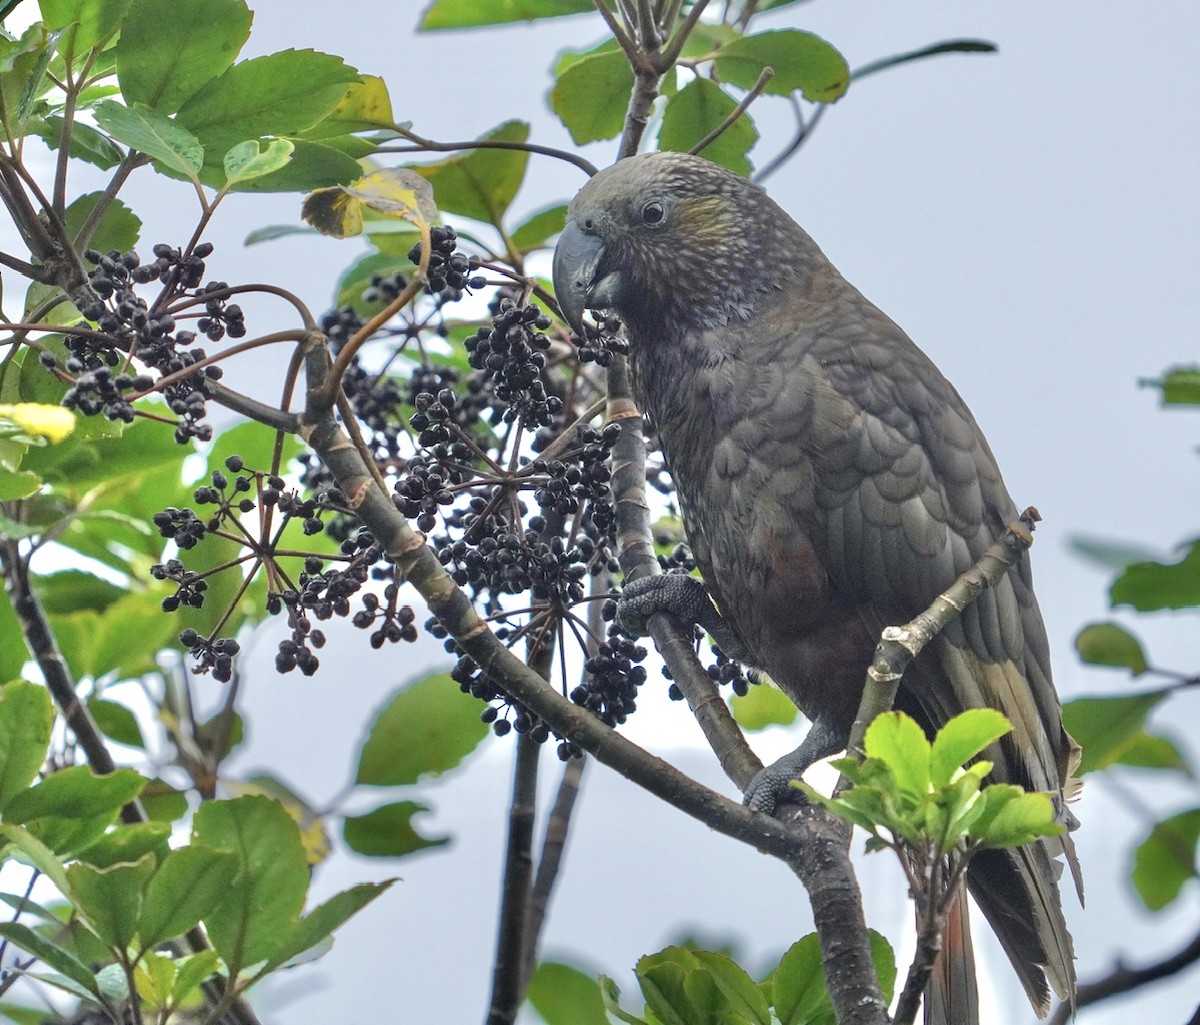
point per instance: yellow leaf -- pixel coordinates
(396, 192)
(332, 212)
(54, 423)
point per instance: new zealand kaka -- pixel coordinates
(831, 482)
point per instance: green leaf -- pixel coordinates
(186, 887)
(155, 978)
(1149, 751)
(70, 590)
(444, 14)
(164, 61)
(15, 486)
(26, 718)
(86, 143)
(279, 94)
(591, 91)
(663, 978)
(884, 959)
(312, 165)
(319, 924)
(118, 228)
(1021, 818)
(166, 141)
(248, 160)
(50, 954)
(1180, 386)
(696, 110)
(426, 728)
(961, 739)
(1106, 727)
(116, 722)
(763, 705)
(36, 853)
(950, 46)
(539, 228)
(274, 231)
(482, 183)
(799, 992)
(358, 276)
(97, 20)
(563, 995)
(801, 61)
(387, 832)
(741, 993)
(128, 843)
(611, 995)
(266, 892)
(1109, 554)
(75, 793)
(163, 803)
(191, 971)
(897, 741)
(1151, 586)
(365, 105)
(1166, 859)
(110, 899)
(1107, 644)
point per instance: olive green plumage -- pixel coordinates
(832, 482)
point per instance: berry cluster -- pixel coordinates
(604, 344)
(221, 317)
(512, 352)
(614, 675)
(392, 624)
(214, 656)
(448, 269)
(132, 328)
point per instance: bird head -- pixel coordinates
(669, 239)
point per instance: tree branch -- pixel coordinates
(1122, 979)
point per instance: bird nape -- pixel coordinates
(831, 482)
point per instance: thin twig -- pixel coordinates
(422, 143)
(727, 122)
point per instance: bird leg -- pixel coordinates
(772, 783)
(685, 598)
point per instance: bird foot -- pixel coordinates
(685, 598)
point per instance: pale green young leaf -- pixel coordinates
(248, 160)
(962, 738)
(895, 739)
(741, 993)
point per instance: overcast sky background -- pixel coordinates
(1031, 219)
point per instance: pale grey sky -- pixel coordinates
(1031, 219)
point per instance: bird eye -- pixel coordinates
(653, 213)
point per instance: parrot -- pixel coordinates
(831, 482)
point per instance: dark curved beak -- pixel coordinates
(577, 260)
